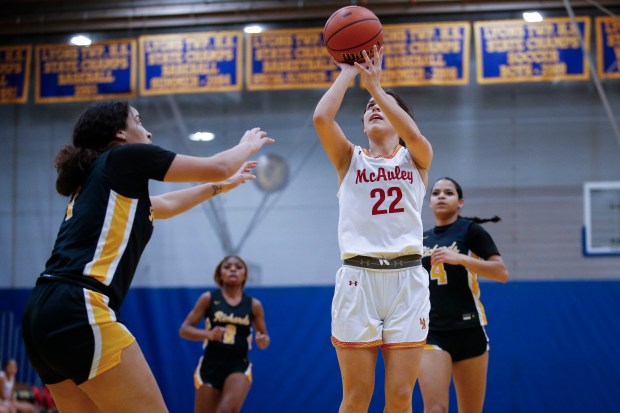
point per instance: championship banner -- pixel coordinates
(517, 51)
(14, 73)
(191, 63)
(608, 47)
(288, 59)
(426, 54)
(103, 70)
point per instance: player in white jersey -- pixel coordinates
(381, 299)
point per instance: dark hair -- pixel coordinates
(217, 274)
(93, 134)
(459, 191)
(403, 105)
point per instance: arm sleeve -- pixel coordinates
(480, 241)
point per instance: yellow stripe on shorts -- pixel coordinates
(111, 337)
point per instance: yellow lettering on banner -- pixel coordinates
(104, 64)
(309, 52)
(223, 79)
(540, 29)
(92, 52)
(190, 69)
(549, 56)
(511, 45)
(85, 90)
(224, 41)
(613, 40)
(164, 58)
(276, 53)
(7, 93)
(514, 72)
(450, 32)
(14, 56)
(611, 26)
(60, 67)
(119, 49)
(308, 39)
(10, 68)
(86, 77)
(306, 77)
(422, 34)
(416, 73)
(59, 54)
(168, 83)
(222, 55)
(297, 65)
(272, 41)
(395, 49)
(414, 60)
(435, 47)
(503, 32)
(554, 69)
(445, 73)
(163, 45)
(617, 53)
(267, 78)
(392, 36)
(553, 43)
(565, 29)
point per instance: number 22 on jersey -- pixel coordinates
(389, 198)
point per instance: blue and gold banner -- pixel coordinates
(288, 59)
(426, 54)
(103, 70)
(608, 47)
(517, 51)
(14, 73)
(191, 62)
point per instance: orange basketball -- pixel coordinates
(350, 30)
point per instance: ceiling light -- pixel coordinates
(532, 16)
(80, 40)
(202, 136)
(252, 29)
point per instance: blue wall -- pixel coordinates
(553, 347)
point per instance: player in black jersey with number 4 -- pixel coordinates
(456, 251)
(224, 373)
(87, 357)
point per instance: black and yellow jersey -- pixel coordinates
(455, 292)
(109, 221)
(237, 321)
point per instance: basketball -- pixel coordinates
(349, 31)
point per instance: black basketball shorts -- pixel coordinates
(460, 344)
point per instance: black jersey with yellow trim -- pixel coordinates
(237, 321)
(109, 220)
(455, 292)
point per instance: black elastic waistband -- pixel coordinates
(79, 281)
(405, 261)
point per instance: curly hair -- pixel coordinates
(93, 134)
(217, 274)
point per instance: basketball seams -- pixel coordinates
(351, 30)
(357, 45)
(347, 26)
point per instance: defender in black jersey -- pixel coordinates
(456, 251)
(224, 373)
(73, 337)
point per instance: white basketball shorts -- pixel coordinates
(387, 308)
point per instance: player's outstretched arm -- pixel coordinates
(174, 203)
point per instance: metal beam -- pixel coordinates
(25, 17)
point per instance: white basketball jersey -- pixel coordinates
(380, 206)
